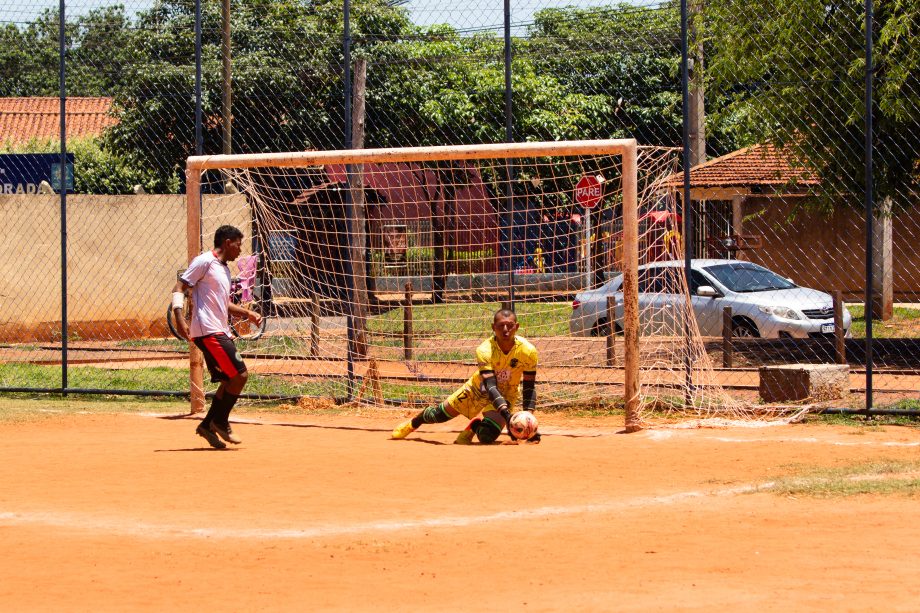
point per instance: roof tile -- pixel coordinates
(765, 165)
(24, 119)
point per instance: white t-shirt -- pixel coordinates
(209, 278)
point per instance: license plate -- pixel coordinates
(827, 328)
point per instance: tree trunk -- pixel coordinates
(882, 274)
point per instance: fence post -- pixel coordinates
(314, 325)
(407, 323)
(839, 343)
(727, 345)
(611, 318)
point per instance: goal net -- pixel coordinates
(379, 272)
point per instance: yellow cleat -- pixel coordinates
(464, 438)
(402, 430)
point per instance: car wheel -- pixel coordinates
(743, 328)
(601, 328)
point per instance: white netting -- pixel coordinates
(380, 279)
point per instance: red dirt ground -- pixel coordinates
(131, 512)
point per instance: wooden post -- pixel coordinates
(839, 342)
(407, 323)
(611, 334)
(727, 345)
(314, 326)
(738, 222)
(631, 288)
(358, 237)
(372, 375)
(193, 245)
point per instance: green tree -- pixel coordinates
(793, 74)
(628, 57)
(440, 87)
(97, 46)
(286, 77)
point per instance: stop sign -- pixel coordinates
(588, 191)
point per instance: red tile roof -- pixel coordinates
(764, 165)
(24, 119)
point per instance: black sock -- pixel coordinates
(214, 411)
(226, 407)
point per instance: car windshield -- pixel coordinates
(747, 277)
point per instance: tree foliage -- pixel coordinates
(98, 43)
(793, 74)
(788, 73)
(626, 57)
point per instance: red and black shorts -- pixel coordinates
(223, 360)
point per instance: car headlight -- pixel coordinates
(781, 312)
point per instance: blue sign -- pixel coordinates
(22, 173)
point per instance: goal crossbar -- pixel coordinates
(627, 149)
(622, 147)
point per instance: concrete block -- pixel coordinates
(795, 382)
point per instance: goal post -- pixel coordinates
(194, 247)
(625, 150)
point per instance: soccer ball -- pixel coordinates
(523, 425)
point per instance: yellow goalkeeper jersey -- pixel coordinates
(509, 367)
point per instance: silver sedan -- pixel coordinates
(764, 304)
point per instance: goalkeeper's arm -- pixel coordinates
(498, 401)
(529, 396)
(529, 390)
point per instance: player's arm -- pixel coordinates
(529, 397)
(178, 302)
(529, 390)
(498, 401)
(237, 310)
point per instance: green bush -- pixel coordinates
(98, 170)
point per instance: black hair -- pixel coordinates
(226, 232)
(504, 313)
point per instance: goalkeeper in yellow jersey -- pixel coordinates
(504, 362)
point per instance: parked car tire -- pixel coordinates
(601, 328)
(744, 328)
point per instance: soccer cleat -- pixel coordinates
(225, 432)
(403, 430)
(209, 436)
(464, 438)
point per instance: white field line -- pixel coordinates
(651, 434)
(125, 527)
(662, 435)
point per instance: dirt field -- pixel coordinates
(314, 513)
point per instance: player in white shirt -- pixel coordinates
(208, 277)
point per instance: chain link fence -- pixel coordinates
(773, 123)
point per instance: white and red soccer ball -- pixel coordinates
(523, 425)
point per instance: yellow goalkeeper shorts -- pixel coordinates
(470, 401)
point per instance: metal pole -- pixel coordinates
(199, 145)
(349, 271)
(870, 188)
(509, 137)
(687, 208)
(199, 138)
(227, 95)
(589, 281)
(62, 63)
